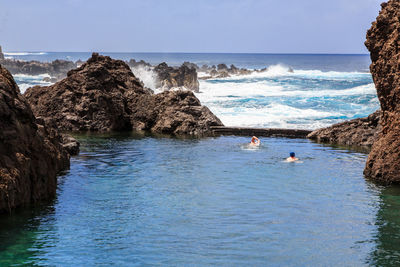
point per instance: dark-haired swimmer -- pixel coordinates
(292, 157)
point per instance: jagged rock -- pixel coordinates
(169, 77)
(104, 95)
(31, 154)
(70, 144)
(222, 67)
(94, 97)
(134, 64)
(173, 112)
(233, 70)
(191, 65)
(1, 54)
(357, 132)
(383, 164)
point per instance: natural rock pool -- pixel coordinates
(131, 200)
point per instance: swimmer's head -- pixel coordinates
(292, 154)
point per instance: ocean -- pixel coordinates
(299, 91)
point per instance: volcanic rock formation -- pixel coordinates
(383, 42)
(31, 154)
(1, 54)
(104, 95)
(357, 132)
(169, 77)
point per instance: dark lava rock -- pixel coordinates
(174, 112)
(31, 154)
(94, 97)
(134, 64)
(357, 132)
(1, 54)
(169, 77)
(222, 67)
(70, 144)
(104, 95)
(383, 42)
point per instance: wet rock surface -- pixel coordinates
(358, 132)
(31, 154)
(383, 164)
(104, 95)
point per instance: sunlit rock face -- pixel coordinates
(383, 42)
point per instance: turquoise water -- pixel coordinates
(145, 201)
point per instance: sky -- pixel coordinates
(208, 26)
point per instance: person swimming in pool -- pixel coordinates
(292, 157)
(255, 141)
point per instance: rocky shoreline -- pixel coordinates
(362, 132)
(103, 95)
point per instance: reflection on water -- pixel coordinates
(387, 239)
(136, 200)
(20, 232)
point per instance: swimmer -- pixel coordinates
(255, 141)
(292, 157)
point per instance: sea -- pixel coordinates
(298, 91)
(134, 199)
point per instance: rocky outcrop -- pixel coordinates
(170, 77)
(173, 112)
(94, 97)
(222, 71)
(135, 64)
(358, 132)
(31, 154)
(383, 164)
(1, 54)
(104, 95)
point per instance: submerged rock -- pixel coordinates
(357, 132)
(169, 77)
(383, 162)
(104, 95)
(31, 154)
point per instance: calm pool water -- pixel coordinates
(141, 201)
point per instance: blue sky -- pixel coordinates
(246, 26)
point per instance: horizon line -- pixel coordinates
(126, 52)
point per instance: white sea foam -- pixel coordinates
(274, 115)
(24, 53)
(25, 81)
(146, 75)
(256, 100)
(227, 90)
(282, 70)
